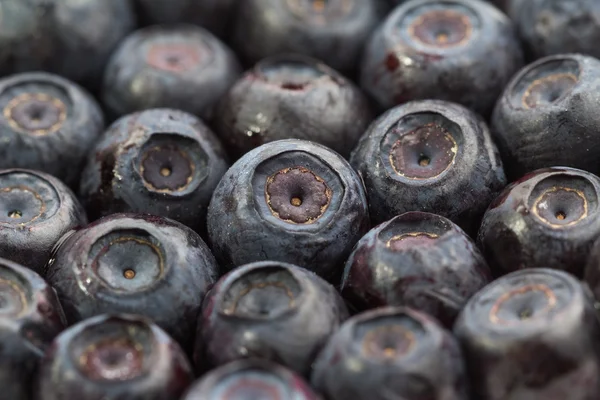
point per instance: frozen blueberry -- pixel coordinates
(127, 263)
(333, 31)
(291, 201)
(548, 116)
(463, 51)
(269, 310)
(36, 210)
(251, 379)
(176, 66)
(47, 123)
(70, 38)
(160, 161)
(391, 353)
(547, 219)
(30, 318)
(113, 357)
(431, 156)
(534, 335)
(419, 260)
(292, 96)
(214, 15)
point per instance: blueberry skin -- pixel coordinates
(532, 334)
(157, 268)
(124, 170)
(30, 318)
(243, 227)
(57, 144)
(547, 219)
(471, 69)
(548, 27)
(547, 116)
(73, 39)
(251, 379)
(292, 96)
(391, 353)
(214, 15)
(334, 34)
(178, 66)
(419, 260)
(36, 210)
(113, 357)
(245, 315)
(461, 192)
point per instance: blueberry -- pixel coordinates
(160, 161)
(70, 38)
(291, 201)
(549, 27)
(251, 379)
(292, 96)
(269, 310)
(430, 156)
(36, 210)
(333, 31)
(47, 123)
(113, 357)
(30, 318)
(419, 260)
(214, 15)
(177, 66)
(391, 353)
(533, 335)
(463, 51)
(548, 116)
(549, 219)
(127, 263)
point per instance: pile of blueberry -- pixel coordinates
(299, 199)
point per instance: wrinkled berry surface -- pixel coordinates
(547, 219)
(431, 156)
(532, 334)
(292, 201)
(140, 264)
(268, 310)
(161, 161)
(419, 260)
(36, 210)
(292, 96)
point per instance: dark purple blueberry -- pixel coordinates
(391, 353)
(464, 51)
(176, 66)
(251, 379)
(30, 318)
(430, 156)
(292, 201)
(47, 123)
(138, 264)
(532, 334)
(160, 161)
(36, 210)
(333, 31)
(113, 357)
(548, 27)
(419, 260)
(548, 116)
(292, 96)
(70, 38)
(214, 15)
(547, 219)
(269, 310)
